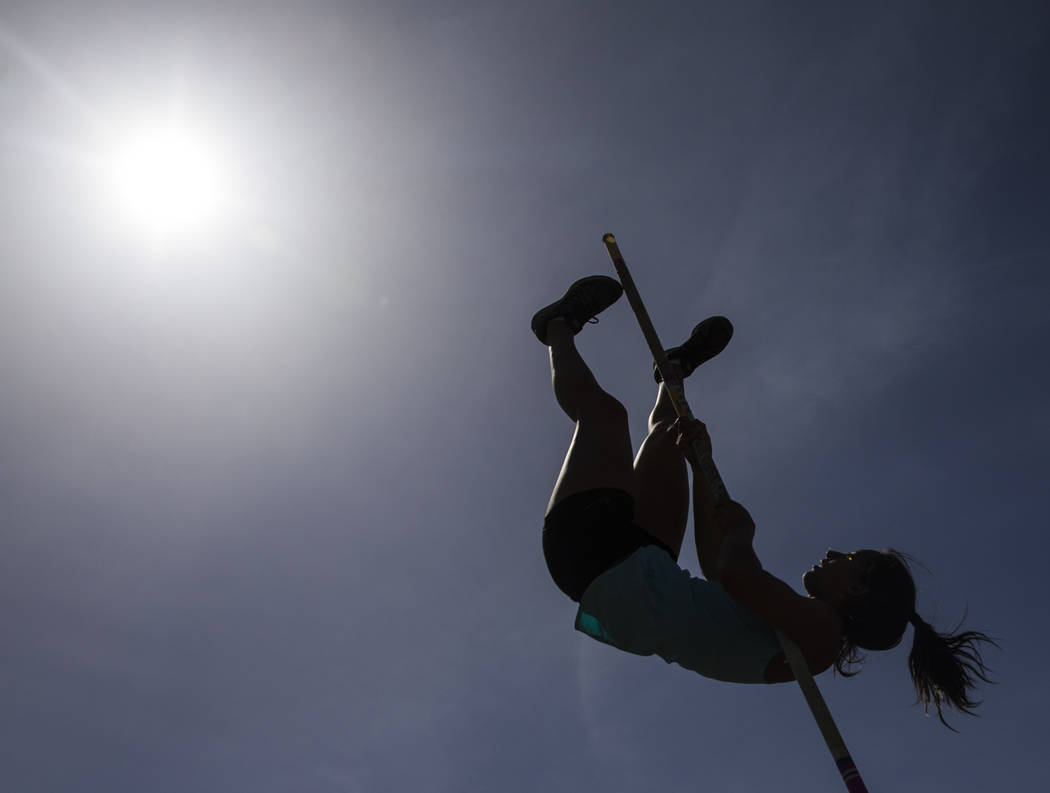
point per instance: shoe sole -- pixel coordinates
(706, 341)
(547, 313)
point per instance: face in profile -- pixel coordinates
(839, 575)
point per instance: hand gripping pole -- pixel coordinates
(676, 390)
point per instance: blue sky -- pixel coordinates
(272, 492)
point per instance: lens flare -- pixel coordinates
(168, 179)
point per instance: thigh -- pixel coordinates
(586, 534)
(662, 500)
(600, 455)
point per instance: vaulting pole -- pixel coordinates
(676, 389)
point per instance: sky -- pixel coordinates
(272, 482)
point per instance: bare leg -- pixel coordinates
(662, 502)
(600, 453)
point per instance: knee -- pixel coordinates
(663, 431)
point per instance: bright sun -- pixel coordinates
(168, 179)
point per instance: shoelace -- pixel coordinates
(582, 306)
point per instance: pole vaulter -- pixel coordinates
(850, 775)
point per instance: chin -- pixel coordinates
(808, 580)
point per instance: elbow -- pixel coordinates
(729, 575)
(736, 568)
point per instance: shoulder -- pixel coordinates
(812, 624)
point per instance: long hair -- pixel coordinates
(945, 667)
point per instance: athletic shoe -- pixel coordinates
(585, 299)
(708, 339)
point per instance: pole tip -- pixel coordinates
(608, 238)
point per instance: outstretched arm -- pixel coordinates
(724, 544)
(707, 532)
(811, 624)
(708, 522)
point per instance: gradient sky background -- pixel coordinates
(272, 493)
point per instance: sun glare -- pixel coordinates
(167, 179)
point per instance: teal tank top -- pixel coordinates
(648, 605)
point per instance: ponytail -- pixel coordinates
(945, 667)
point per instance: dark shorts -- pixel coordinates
(588, 533)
